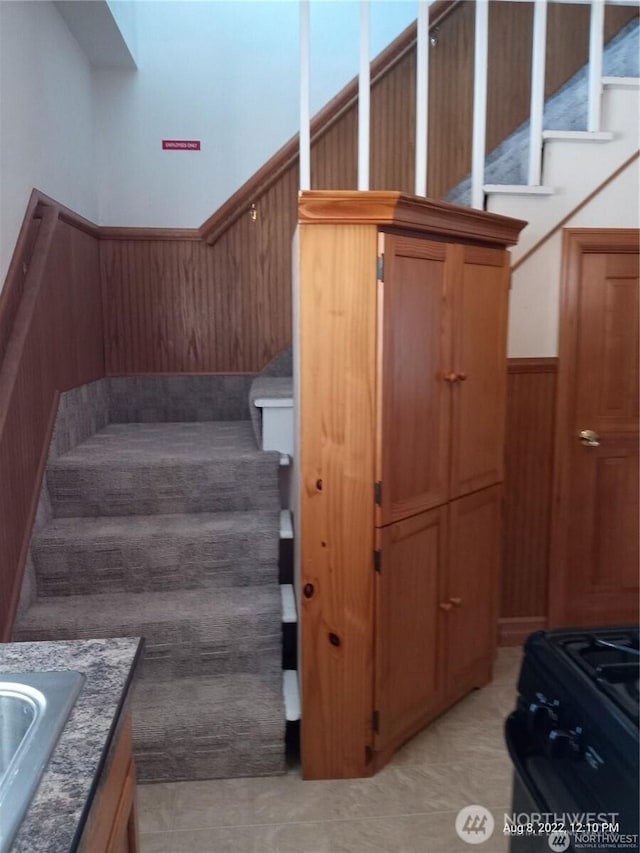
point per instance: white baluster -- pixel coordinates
(538, 68)
(479, 103)
(305, 117)
(364, 99)
(596, 40)
(422, 97)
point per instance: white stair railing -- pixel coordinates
(596, 48)
(538, 68)
(364, 97)
(478, 145)
(305, 113)
(422, 97)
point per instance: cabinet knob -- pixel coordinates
(452, 377)
(456, 601)
(446, 606)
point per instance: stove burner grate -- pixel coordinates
(611, 658)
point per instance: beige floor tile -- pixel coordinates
(219, 802)
(155, 842)
(274, 838)
(433, 833)
(156, 806)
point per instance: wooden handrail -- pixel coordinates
(240, 202)
(22, 320)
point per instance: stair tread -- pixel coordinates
(80, 616)
(163, 444)
(209, 727)
(221, 693)
(158, 526)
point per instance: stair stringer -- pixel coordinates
(574, 169)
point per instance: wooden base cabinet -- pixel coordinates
(435, 618)
(112, 822)
(401, 308)
(468, 600)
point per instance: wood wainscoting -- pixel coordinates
(52, 340)
(531, 402)
(174, 304)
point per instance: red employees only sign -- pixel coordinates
(180, 144)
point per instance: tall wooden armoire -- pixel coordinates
(401, 307)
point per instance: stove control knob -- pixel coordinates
(541, 718)
(561, 744)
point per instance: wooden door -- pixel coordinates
(411, 558)
(468, 600)
(479, 368)
(414, 349)
(594, 567)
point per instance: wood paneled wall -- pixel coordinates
(53, 342)
(178, 305)
(531, 399)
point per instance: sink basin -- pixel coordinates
(34, 707)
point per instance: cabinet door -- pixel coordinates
(407, 677)
(414, 349)
(480, 366)
(469, 590)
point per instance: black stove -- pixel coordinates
(573, 740)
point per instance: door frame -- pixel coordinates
(576, 243)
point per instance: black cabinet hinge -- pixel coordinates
(377, 560)
(375, 721)
(380, 268)
(377, 492)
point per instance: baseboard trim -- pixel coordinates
(513, 631)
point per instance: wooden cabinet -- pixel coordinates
(112, 822)
(400, 385)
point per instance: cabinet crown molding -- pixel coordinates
(399, 210)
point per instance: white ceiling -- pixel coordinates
(96, 31)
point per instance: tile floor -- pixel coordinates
(409, 807)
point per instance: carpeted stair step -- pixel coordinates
(164, 468)
(83, 556)
(208, 728)
(187, 633)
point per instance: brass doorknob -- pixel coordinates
(589, 438)
(451, 377)
(446, 605)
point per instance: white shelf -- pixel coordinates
(289, 612)
(291, 692)
(517, 189)
(286, 524)
(622, 82)
(578, 135)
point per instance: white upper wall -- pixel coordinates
(535, 288)
(224, 73)
(46, 118)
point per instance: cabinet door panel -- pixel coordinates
(470, 587)
(407, 677)
(413, 399)
(479, 359)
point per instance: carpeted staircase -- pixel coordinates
(171, 531)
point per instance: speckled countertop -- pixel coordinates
(56, 817)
